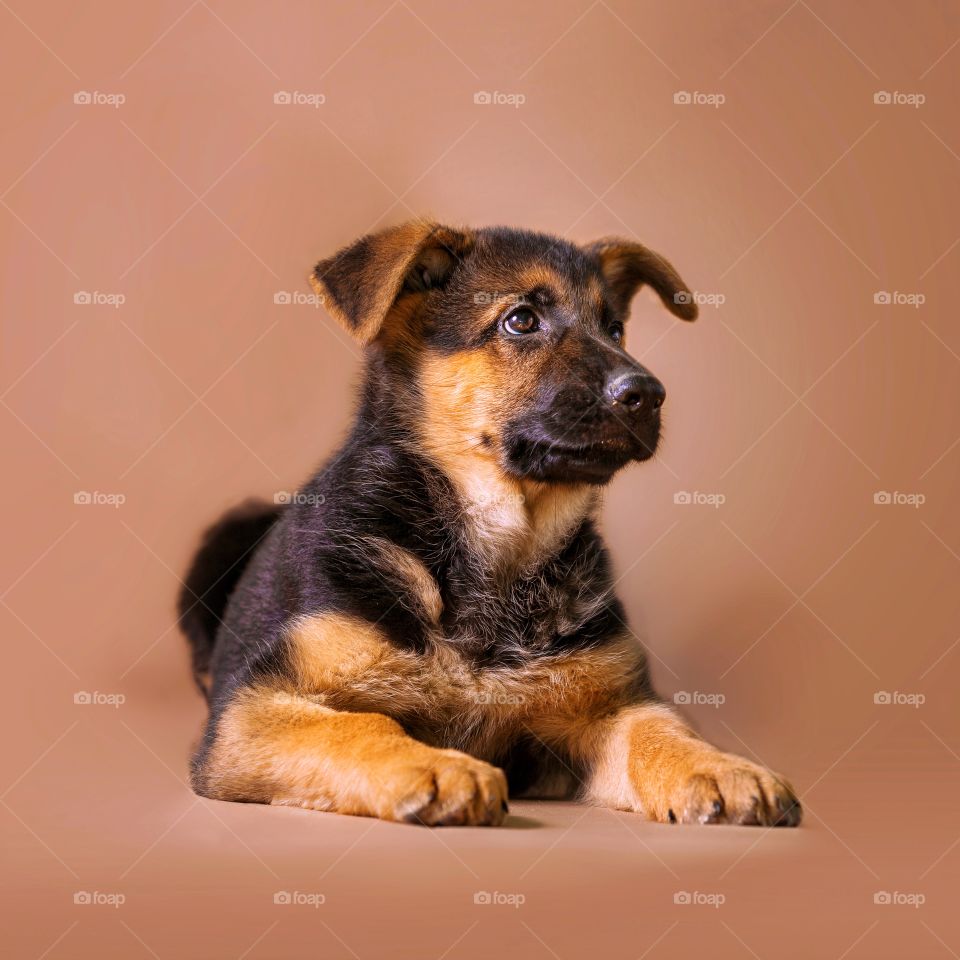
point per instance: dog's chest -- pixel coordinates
(493, 623)
(496, 617)
(448, 695)
(445, 699)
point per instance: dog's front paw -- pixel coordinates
(445, 788)
(707, 786)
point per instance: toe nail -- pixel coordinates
(671, 816)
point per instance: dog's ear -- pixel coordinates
(362, 282)
(626, 266)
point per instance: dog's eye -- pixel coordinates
(616, 332)
(520, 321)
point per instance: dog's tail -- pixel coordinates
(224, 553)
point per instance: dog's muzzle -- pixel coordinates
(583, 435)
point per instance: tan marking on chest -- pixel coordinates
(514, 522)
(445, 700)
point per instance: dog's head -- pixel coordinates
(511, 345)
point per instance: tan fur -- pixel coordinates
(441, 698)
(540, 276)
(277, 746)
(399, 250)
(324, 740)
(327, 649)
(293, 743)
(398, 334)
(415, 584)
(647, 759)
(626, 265)
(515, 521)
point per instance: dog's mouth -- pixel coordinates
(584, 460)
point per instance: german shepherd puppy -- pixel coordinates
(432, 617)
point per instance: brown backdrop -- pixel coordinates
(148, 234)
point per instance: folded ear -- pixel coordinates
(362, 282)
(626, 266)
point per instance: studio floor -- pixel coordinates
(110, 854)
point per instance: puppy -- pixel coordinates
(433, 616)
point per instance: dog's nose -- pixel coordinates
(637, 391)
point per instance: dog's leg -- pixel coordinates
(645, 758)
(273, 746)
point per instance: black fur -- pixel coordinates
(224, 552)
(316, 558)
